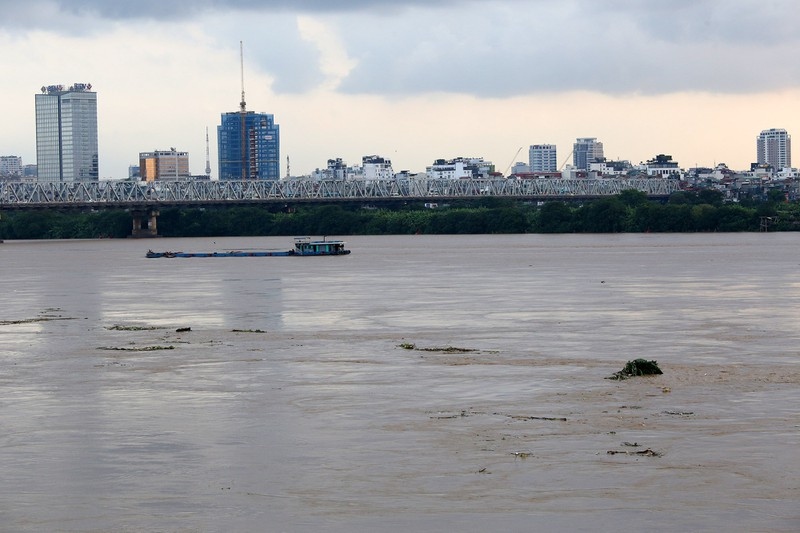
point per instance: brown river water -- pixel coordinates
(422, 383)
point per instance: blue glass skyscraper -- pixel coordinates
(249, 146)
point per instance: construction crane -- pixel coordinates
(208, 159)
(565, 160)
(243, 119)
(512, 161)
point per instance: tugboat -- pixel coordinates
(302, 246)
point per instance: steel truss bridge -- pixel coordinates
(147, 196)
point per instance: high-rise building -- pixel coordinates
(585, 151)
(248, 143)
(66, 133)
(774, 148)
(249, 146)
(542, 158)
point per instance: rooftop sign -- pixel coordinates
(75, 88)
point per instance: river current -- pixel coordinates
(421, 383)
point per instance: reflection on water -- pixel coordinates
(291, 403)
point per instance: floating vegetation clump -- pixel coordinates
(637, 367)
(441, 349)
(248, 331)
(647, 453)
(118, 327)
(449, 349)
(23, 321)
(137, 348)
(43, 318)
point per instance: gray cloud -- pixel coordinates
(493, 48)
(621, 46)
(158, 9)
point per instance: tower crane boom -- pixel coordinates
(512, 161)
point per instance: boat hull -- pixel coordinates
(287, 253)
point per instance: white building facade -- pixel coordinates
(774, 148)
(542, 158)
(460, 168)
(376, 168)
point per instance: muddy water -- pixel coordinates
(290, 404)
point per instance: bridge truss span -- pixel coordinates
(130, 194)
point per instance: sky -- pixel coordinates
(412, 80)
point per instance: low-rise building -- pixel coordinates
(609, 169)
(520, 168)
(164, 165)
(10, 166)
(376, 168)
(662, 166)
(460, 168)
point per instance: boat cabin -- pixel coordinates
(305, 246)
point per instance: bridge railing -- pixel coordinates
(129, 193)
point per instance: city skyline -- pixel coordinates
(414, 81)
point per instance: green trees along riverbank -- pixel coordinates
(630, 211)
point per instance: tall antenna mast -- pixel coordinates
(242, 104)
(243, 119)
(208, 159)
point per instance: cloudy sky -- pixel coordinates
(412, 80)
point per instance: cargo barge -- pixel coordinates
(303, 246)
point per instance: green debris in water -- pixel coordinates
(441, 349)
(637, 367)
(137, 348)
(32, 320)
(118, 327)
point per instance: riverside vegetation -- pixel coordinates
(628, 212)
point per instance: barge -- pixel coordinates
(303, 246)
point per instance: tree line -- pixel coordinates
(628, 212)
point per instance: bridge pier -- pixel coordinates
(144, 223)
